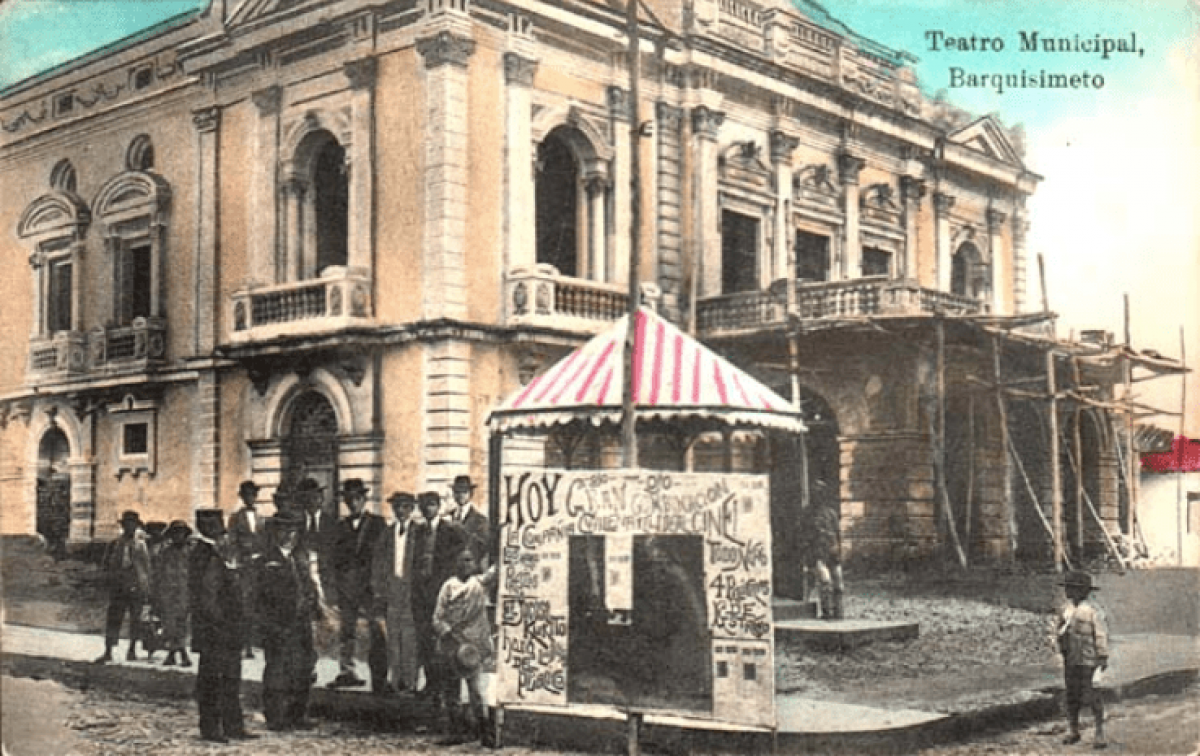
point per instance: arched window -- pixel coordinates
(54, 225)
(140, 154)
(316, 207)
(132, 209)
(62, 177)
(968, 274)
(571, 194)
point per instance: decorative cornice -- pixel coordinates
(206, 120)
(706, 122)
(519, 70)
(782, 146)
(268, 100)
(361, 73)
(849, 167)
(446, 48)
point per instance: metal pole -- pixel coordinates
(1182, 441)
(628, 411)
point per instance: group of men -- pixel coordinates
(273, 582)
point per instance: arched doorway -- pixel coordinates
(54, 490)
(823, 449)
(557, 200)
(310, 445)
(968, 276)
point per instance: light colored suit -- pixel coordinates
(393, 571)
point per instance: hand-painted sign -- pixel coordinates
(637, 589)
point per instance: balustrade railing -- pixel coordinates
(855, 298)
(134, 346)
(539, 295)
(341, 297)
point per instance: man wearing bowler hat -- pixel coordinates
(127, 570)
(1083, 642)
(474, 524)
(393, 573)
(246, 532)
(217, 631)
(358, 533)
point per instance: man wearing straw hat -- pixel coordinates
(1083, 642)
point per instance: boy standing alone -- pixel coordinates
(1083, 642)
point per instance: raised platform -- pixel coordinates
(790, 609)
(843, 634)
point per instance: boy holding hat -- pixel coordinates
(1083, 642)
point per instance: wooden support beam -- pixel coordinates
(1077, 440)
(1007, 444)
(939, 446)
(1056, 504)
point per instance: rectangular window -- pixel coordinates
(133, 283)
(812, 256)
(739, 252)
(135, 438)
(58, 302)
(876, 262)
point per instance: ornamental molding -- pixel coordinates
(519, 70)
(446, 48)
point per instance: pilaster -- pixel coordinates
(618, 113)
(849, 168)
(360, 242)
(942, 203)
(998, 255)
(207, 123)
(446, 49)
(1020, 232)
(520, 215)
(669, 206)
(263, 207)
(206, 441)
(782, 147)
(706, 127)
(912, 191)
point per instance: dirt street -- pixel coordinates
(1166, 725)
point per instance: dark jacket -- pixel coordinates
(322, 544)
(216, 602)
(353, 554)
(475, 529)
(287, 598)
(439, 552)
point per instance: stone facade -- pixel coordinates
(323, 239)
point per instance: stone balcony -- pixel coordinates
(106, 349)
(859, 298)
(540, 296)
(339, 299)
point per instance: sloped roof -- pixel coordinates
(674, 377)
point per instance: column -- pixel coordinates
(782, 147)
(673, 275)
(912, 191)
(706, 236)
(446, 52)
(941, 217)
(206, 441)
(207, 122)
(77, 286)
(37, 265)
(849, 168)
(293, 233)
(998, 255)
(596, 190)
(520, 216)
(360, 156)
(263, 209)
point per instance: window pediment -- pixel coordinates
(54, 214)
(130, 194)
(741, 163)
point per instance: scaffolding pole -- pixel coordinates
(1180, 525)
(939, 448)
(1002, 410)
(1056, 504)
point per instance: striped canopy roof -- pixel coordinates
(674, 377)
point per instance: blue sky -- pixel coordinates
(1115, 212)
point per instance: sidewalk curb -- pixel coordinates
(565, 731)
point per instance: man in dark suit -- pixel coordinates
(394, 573)
(357, 535)
(246, 534)
(217, 631)
(443, 540)
(474, 524)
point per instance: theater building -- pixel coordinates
(288, 238)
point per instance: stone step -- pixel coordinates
(841, 635)
(790, 609)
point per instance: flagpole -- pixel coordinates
(628, 410)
